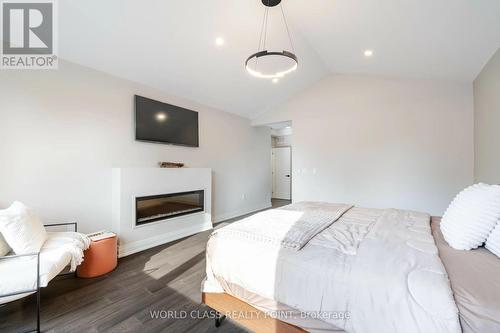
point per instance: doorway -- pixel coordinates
(281, 163)
(282, 182)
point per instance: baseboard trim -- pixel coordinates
(126, 249)
(226, 216)
(281, 196)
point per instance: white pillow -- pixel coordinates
(471, 216)
(493, 241)
(23, 231)
(4, 247)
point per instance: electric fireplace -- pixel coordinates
(166, 206)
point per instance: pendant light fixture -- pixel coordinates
(271, 64)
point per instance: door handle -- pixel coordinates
(287, 176)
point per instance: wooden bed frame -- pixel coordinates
(256, 320)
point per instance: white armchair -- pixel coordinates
(22, 275)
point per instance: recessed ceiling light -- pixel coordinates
(275, 80)
(219, 41)
(368, 53)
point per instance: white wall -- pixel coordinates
(487, 122)
(380, 142)
(62, 132)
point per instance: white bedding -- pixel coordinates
(379, 266)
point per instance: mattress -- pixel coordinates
(378, 267)
(475, 281)
(478, 303)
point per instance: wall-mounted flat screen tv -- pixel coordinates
(165, 123)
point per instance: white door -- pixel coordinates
(281, 173)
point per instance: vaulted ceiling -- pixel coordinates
(170, 44)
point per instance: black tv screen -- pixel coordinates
(165, 123)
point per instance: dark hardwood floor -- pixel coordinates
(279, 202)
(164, 280)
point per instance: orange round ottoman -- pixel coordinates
(100, 258)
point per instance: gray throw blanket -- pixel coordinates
(290, 227)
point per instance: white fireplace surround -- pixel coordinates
(130, 183)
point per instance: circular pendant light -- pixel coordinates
(271, 3)
(271, 64)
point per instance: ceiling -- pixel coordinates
(170, 44)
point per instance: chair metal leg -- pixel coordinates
(38, 296)
(38, 311)
(29, 291)
(219, 318)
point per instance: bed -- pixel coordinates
(321, 267)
